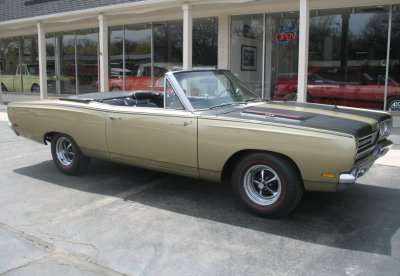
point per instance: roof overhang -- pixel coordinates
(162, 10)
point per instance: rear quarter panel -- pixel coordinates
(84, 124)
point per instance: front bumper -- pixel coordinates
(347, 180)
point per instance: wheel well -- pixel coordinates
(391, 98)
(48, 136)
(226, 174)
(3, 86)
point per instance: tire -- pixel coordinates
(293, 97)
(268, 185)
(115, 89)
(67, 156)
(3, 87)
(35, 88)
(393, 104)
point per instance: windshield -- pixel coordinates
(209, 89)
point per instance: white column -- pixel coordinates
(223, 42)
(303, 51)
(103, 56)
(42, 61)
(187, 36)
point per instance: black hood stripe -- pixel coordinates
(267, 113)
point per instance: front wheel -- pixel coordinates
(267, 184)
(67, 156)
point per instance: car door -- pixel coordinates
(153, 137)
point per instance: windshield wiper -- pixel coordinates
(253, 100)
(225, 104)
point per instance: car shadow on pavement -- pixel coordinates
(362, 219)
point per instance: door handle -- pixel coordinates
(183, 124)
(112, 118)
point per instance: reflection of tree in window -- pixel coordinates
(205, 38)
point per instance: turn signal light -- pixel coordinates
(329, 175)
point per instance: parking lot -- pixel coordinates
(118, 220)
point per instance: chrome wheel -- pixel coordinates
(65, 151)
(262, 185)
(394, 105)
(267, 184)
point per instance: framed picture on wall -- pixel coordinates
(248, 58)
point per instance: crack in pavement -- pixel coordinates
(56, 252)
(75, 259)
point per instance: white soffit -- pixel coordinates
(162, 10)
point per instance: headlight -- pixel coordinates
(385, 128)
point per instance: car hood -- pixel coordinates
(352, 121)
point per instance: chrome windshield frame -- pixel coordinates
(176, 86)
(169, 76)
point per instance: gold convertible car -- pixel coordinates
(207, 124)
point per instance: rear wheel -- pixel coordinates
(3, 87)
(394, 104)
(35, 88)
(267, 184)
(115, 89)
(67, 156)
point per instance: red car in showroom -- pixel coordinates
(141, 80)
(353, 87)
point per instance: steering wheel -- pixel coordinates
(228, 91)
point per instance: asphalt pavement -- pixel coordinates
(118, 220)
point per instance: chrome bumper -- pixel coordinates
(347, 180)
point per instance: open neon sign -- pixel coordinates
(286, 37)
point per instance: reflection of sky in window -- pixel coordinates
(142, 35)
(358, 21)
(88, 36)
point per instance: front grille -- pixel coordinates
(366, 144)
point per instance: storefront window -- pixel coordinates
(138, 57)
(68, 63)
(282, 51)
(205, 41)
(30, 65)
(9, 61)
(393, 90)
(347, 58)
(168, 42)
(51, 63)
(87, 60)
(247, 50)
(116, 58)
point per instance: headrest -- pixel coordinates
(143, 95)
